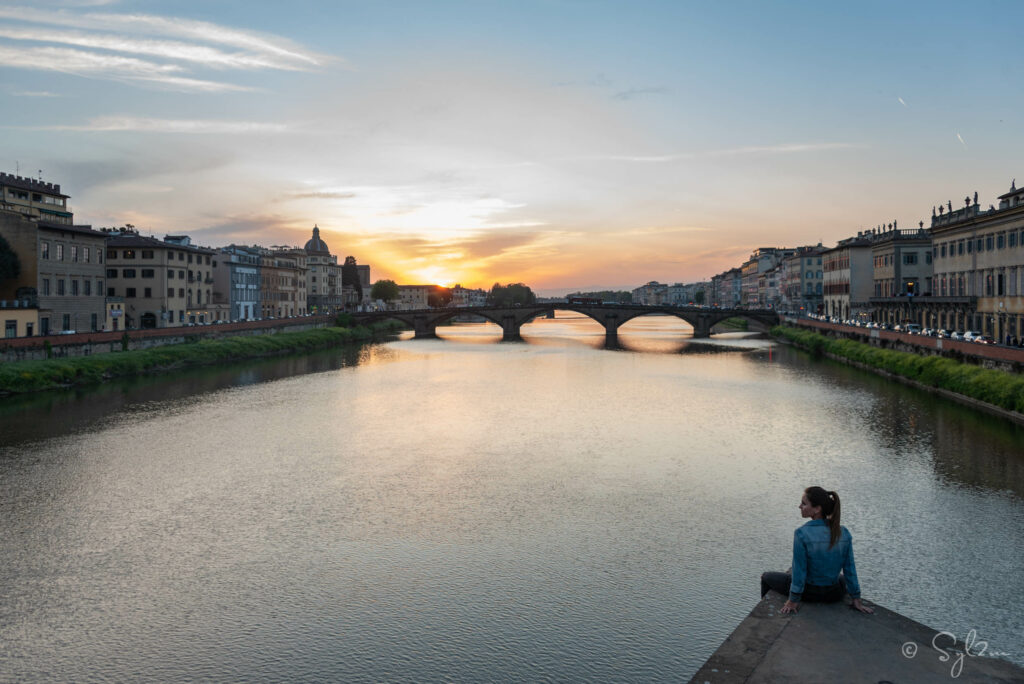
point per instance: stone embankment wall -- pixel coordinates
(87, 344)
(988, 356)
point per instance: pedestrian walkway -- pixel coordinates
(834, 643)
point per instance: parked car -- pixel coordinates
(984, 339)
(943, 334)
(970, 335)
(912, 328)
(957, 336)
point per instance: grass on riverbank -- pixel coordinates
(734, 323)
(34, 376)
(1002, 389)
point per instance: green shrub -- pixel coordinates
(1002, 389)
(32, 376)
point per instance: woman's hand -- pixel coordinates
(859, 606)
(790, 607)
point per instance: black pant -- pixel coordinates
(780, 581)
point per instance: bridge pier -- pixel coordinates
(423, 327)
(702, 328)
(510, 328)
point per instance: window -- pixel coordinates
(99, 256)
(181, 275)
(181, 256)
(127, 272)
(74, 252)
(99, 286)
(207, 260)
(128, 254)
(148, 273)
(1012, 239)
(170, 274)
(1000, 241)
(93, 322)
(170, 292)
(46, 286)
(1000, 285)
(988, 285)
(111, 272)
(74, 288)
(44, 250)
(85, 254)
(927, 257)
(190, 258)
(66, 321)
(910, 258)
(111, 253)
(130, 292)
(11, 328)
(60, 287)
(960, 247)
(87, 288)
(970, 246)
(110, 292)
(148, 292)
(147, 254)
(181, 292)
(942, 251)
(60, 252)
(44, 326)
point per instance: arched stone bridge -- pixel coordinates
(611, 316)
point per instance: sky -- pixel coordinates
(567, 144)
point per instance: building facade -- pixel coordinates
(61, 278)
(847, 278)
(236, 282)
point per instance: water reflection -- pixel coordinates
(81, 408)
(463, 509)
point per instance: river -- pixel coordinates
(464, 509)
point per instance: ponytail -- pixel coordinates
(829, 503)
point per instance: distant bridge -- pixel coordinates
(611, 316)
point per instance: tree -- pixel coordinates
(10, 265)
(511, 295)
(350, 277)
(698, 297)
(385, 290)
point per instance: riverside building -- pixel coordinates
(978, 262)
(847, 276)
(60, 284)
(163, 284)
(902, 265)
(236, 282)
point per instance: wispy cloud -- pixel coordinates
(154, 49)
(169, 49)
(115, 67)
(34, 93)
(143, 125)
(961, 140)
(633, 93)
(901, 101)
(728, 152)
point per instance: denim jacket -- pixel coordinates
(815, 563)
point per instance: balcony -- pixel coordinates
(25, 302)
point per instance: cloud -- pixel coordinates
(154, 49)
(633, 93)
(169, 49)
(728, 152)
(34, 93)
(144, 125)
(323, 194)
(259, 43)
(82, 63)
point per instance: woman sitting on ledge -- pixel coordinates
(821, 549)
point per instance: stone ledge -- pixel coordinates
(834, 643)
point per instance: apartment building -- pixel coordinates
(164, 284)
(847, 277)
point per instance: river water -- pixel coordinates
(464, 509)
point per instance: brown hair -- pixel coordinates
(829, 503)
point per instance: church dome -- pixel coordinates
(315, 245)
